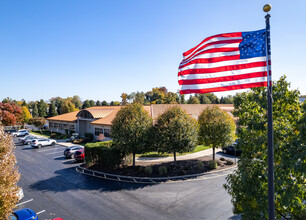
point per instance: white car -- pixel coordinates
(40, 142)
(20, 133)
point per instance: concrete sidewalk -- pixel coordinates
(202, 153)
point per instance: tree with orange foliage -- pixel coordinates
(10, 114)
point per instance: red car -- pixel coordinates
(80, 155)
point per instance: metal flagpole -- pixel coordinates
(271, 208)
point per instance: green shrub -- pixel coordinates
(106, 157)
(229, 162)
(148, 170)
(100, 144)
(163, 170)
(88, 137)
(212, 164)
(222, 158)
(200, 165)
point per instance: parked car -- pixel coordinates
(24, 214)
(70, 151)
(10, 131)
(80, 155)
(20, 133)
(232, 150)
(42, 142)
(73, 137)
(27, 139)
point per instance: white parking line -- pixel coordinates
(40, 212)
(53, 148)
(58, 157)
(68, 160)
(54, 153)
(24, 202)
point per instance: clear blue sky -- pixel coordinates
(100, 49)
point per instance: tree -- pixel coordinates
(104, 103)
(193, 100)
(52, 110)
(35, 111)
(67, 107)
(42, 108)
(91, 103)
(213, 98)
(124, 98)
(98, 103)
(10, 114)
(26, 114)
(9, 175)
(38, 122)
(203, 99)
(216, 128)
(139, 97)
(176, 132)
(76, 100)
(227, 100)
(24, 103)
(130, 129)
(247, 185)
(86, 104)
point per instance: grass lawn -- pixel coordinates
(42, 133)
(156, 154)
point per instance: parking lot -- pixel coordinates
(52, 188)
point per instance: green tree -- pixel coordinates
(76, 100)
(35, 111)
(130, 129)
(216, 128)
(98, 103)
(52, 110)
(203, 98)
(193, 100)
(104, 103)
(227, 100)
(9, 175)
(176, 132)
(67, 107)
(91, 103)
(42, 108)
(86, 104)
(26, 114)
(213, 98)
(248, 185)
(38, 122)
(139, 97)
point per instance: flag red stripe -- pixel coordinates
(236, 34)
(226, 88)
(212, 60)
(210, 44)
(222, 79)
(222, 68)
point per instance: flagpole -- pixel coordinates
(271, 208)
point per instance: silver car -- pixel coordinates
(70, 151)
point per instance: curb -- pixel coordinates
(146, 180)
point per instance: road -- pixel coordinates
(53, 188)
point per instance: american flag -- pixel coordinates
(225, 62)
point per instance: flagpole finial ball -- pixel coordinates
(267, 8)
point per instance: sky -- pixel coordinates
(98, 49)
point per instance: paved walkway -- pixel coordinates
(202, 153)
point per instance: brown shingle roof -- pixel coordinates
(68, 117)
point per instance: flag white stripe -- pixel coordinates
(222, 63)
(223, 84)
(232, 45)
(223, 73)
(212, 40)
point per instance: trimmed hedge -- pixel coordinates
(100, 144)
(103, 155)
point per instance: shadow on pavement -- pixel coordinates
(69, 179)
(235, 217)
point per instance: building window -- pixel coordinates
(98, 131)
(106, 132)
(55, 125)
(51, 125)
(60, 126)
(71, 127)
(65, 126)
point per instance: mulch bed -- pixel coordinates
(182, 167)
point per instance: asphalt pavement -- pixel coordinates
(53, 188)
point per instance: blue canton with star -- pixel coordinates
(253, 44)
